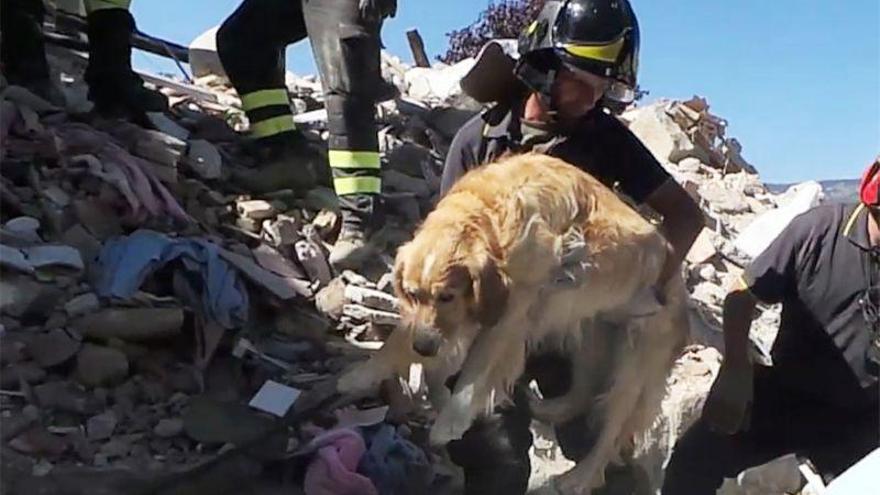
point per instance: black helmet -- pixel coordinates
(597, 36)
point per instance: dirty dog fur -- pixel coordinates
(479, 286)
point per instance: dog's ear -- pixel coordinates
(490, 290)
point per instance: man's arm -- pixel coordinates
(726, 408)
(739, 307)
(682, 222)
(460, 157)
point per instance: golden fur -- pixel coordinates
(479, 286)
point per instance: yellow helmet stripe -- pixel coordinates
(604, 53)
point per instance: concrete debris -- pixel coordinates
(204, 159)
(99, 366)
(101, 426)
(131, 324)
(169, 427)
(127, 256)
(52, 348)
(82, 304)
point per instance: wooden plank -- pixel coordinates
(417, 45)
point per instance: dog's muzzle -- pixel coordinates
(426, 341)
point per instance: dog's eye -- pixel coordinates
(445, 297)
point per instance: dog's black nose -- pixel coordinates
(426, 343)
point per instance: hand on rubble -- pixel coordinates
(728, 405)
(376, 10)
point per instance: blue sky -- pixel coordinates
(798, 80)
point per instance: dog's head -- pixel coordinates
(449, 287)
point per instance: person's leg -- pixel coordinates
(347, 52)
(113, 86)
(251, 44)
(494, 452)
(22, 50)
(702, 458)
(835, 439)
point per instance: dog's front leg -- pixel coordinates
(495, 360)
(394, 356)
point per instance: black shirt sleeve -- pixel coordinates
(773, 275)
(636, 170)
(462, 154)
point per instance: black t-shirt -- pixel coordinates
(820, 269)
(600, 145)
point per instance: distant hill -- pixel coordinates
(836, 191)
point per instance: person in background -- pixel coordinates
(344, 35)
(114, 88)
(820, 397)
(576, 59)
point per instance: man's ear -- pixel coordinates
(490, 290)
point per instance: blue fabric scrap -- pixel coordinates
(394, 464)
(125, 262)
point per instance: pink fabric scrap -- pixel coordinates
(333, 471)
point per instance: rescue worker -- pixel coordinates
(344, 35)
(820, 397)
(575, 58)
(114, 88)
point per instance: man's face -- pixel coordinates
(576, 92)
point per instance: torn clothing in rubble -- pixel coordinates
(333, 471)
(145, 195)
(125, 262)
(394, 464)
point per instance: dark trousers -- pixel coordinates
(782, 422)
(494, 452)
(251, 44)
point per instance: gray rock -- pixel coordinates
(209, 421)
(66, 396)
(99, 366)
(12, 376)
(204, 159)
(371, 298)
(131, 324)
(42, 257)
(82, 304)
(24, 227)
(52, 348)
(169, 427)
(101, 427)
(24, 298)
(255, 209)
(15, 259)
(116, 447)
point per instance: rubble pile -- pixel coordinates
(158, 322)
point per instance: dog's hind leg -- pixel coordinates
(618, 405)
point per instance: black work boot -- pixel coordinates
(23, 53)
(115, 89)
(286, 161)
(359, 220)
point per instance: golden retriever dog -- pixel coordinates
(523, 252)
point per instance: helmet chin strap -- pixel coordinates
(545, 95)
